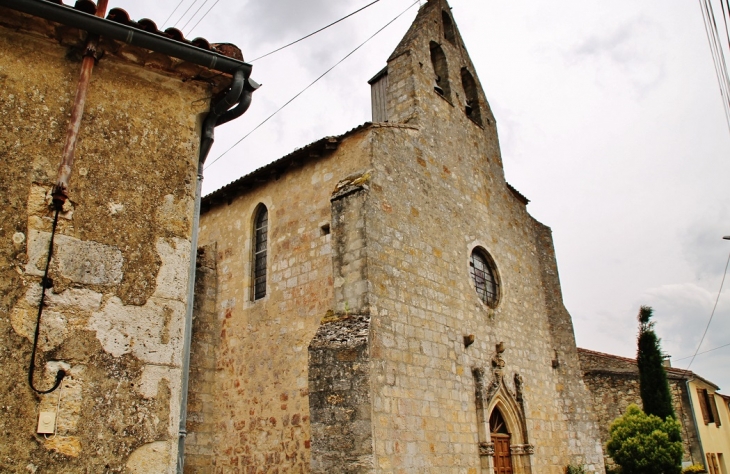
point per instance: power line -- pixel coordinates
(185, 13)
(711, 314)
(173, 12)
(704, 352)
(310, 85)
(321, 29)
(193, 15)
(201, 18)
(716, 50)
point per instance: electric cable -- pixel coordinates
(173, 12)
(319, 30)
(201, 18)
(721, 54)
(193, 15)
(45, 283)
(713, 51)
(310, 85)
(704, 352)
(185, 13)
(711, 314)
(718, 56)
(724, 19)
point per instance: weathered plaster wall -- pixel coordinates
(613, 383)
(261, 383)
(114, 317)
(715, 437)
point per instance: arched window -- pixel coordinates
(448, 27)
(441, 70)
(260, 241)
(482, 270)
(472, 109)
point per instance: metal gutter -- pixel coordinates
(694, 418)
(233, 105)
(128, 34)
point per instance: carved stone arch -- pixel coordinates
(492, 392)
(511, 413)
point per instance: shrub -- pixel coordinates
(644, 444)
(573, 469)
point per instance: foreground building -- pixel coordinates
(119, 222)
(382, 301)
(704, 413)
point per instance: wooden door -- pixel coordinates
(502, 457)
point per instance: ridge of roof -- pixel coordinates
(671, 371)
(278, 166)
(119, 15)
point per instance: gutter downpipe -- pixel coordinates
(694, 418)
(240, 93)
(60, 189)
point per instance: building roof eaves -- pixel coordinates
(376, 77)
(672, 372)
(117, 26)
(312, 150)
(520, 197)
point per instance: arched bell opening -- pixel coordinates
(472, 108)
(441, 70)
(448, 27)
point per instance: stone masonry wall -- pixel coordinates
(437, 192)
(262, 382)
(339, 397)
(613, 383)
(113, 319)
(201, 422)
(575, 399)
(339, 357)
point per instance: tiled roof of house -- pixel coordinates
(277, 168)
(119, 15)
(672, 372)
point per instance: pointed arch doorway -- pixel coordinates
(501, 439)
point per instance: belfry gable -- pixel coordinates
(430, 58)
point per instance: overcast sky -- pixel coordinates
(610, 122)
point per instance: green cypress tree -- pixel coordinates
(653, 385)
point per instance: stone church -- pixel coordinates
(382, 301)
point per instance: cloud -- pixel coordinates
(282, 21)
(681, 313)
(625, 52)
(702, 243)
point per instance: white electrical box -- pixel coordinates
(46, 422)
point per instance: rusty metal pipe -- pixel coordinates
(60, 189)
